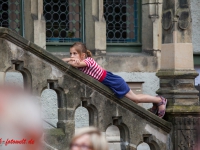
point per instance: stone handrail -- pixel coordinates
(15, 38)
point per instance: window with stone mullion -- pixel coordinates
(10, 15)
(121, 20)
(63, 20)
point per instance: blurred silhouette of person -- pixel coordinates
(88, 138)
(20, 121)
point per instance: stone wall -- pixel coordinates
(195, 11)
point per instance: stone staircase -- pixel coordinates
(73, 88)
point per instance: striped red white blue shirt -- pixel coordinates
(93, 69)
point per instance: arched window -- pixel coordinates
(49, 108)
(143, 146)
(113, 137)
(14, 78)
(81, 117)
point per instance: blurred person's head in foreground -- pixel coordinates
(88, 138)
(20, 121)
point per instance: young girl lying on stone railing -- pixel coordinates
(81, 58)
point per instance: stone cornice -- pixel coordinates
(80, 76)
(183, 110)
(168, 73)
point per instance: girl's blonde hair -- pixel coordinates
(81, 48)
(97, 140)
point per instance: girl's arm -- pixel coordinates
(75, 62)
(67, 59)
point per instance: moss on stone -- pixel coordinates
(183, 109)
(177, 73)
(57, 131)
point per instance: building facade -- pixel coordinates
(125, 37)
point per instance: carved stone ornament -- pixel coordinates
(184, 19)
(186, 132)
(183, 14)
(167, 19)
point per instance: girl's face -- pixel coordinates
(75, 54)
(82, 143)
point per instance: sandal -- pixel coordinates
(161, 113)
(154, 109)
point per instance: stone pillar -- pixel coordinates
(177, 70)
(35, 24)
(155, 12)
(95, 26)
(177, 73)
(39, 24)
(151, 21)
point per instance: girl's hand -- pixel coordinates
(76, 61)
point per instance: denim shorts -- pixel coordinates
(116, 84)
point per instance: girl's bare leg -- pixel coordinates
(143, 98)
